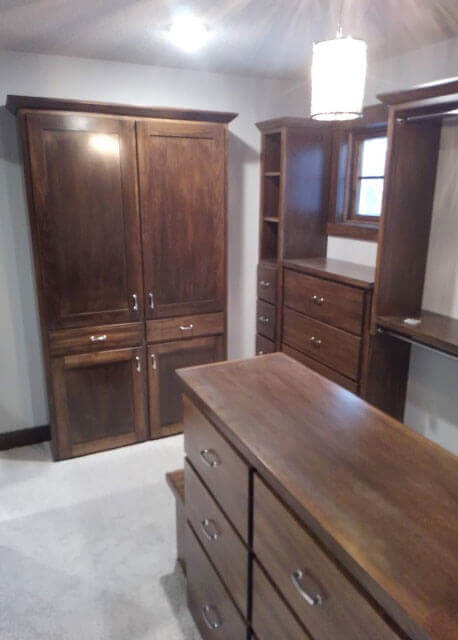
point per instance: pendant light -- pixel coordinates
(338, 77)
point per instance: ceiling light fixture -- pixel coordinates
(188, 33)
(338, 77)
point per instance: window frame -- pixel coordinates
(355, 142)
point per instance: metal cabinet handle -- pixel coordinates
(264, 319)
(316, 342)
(186, 327)
(296, 578)
(151, 300)
(207, 526)
(98, 338)
(260, 352)
(211, 624)
(210, 458)
(317, 300)
(154, 361)
(138, 364)
(264, 283)
(135, 299)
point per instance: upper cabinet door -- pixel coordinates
(84, 176)
(182, 200)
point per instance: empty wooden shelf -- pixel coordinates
(435, 330)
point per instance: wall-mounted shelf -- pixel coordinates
(435, 331)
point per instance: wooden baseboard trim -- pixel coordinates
(23, 437)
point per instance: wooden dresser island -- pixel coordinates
(309, 514)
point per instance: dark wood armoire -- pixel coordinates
(128, 218)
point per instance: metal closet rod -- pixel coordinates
(429, 116)
(416, 343)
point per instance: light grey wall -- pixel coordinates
(432, 398)
(22, 384)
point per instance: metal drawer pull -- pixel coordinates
(317, 300)
(260, 352)
(135, 299)
(186, 327)
(98, 338)
(139, 364)
(296, 578)
(264, 319)
(210, 458)
(211, 624)
(316, 342)
(264, 283)
(151, 300)
(154, 361)
(206, 525)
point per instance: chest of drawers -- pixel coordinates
(304, 518)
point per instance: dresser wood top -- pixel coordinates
(382, 498)
(357, 275)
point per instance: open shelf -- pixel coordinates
(435, 330)
(269, 239)
(272, 152)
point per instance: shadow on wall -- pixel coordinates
(432, 407)
(24, 402)
(242, 290)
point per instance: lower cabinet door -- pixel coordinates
(166, 407)
(210, 604)
(99, 401)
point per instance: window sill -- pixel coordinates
(356, 230)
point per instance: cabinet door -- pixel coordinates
(166, 407)
(182, 201)
(100, 400)
(87, 223)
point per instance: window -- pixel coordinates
(368, 176)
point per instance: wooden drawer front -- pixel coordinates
(264, 345)
(225, 549)
(335, 348)
(284, 548)
(271, 618)
(184, 327)
(219, 466)
(265, 319)
(89, 339)
(212, 609)
(321, 369)
(331, 302)
(267, 283)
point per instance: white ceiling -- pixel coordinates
(260, 37)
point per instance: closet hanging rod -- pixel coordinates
(416, 343)
(430, 116)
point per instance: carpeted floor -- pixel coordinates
(87, 546)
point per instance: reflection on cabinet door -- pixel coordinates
(182, 198)
(166, 407)
(100, 400)
(86, 218)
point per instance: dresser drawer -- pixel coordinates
(264, 345)
(212, 609)
(267, 283)
(224, 547)
(335, 348)
(266, 320)
(87, 339)
(219, 466)
(327, 603)
(184, 327)
(271, 618)
(337, 304)
(321, 369)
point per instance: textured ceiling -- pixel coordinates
(261, 37)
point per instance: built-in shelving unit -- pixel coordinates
(434, 330)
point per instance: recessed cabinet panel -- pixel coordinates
(100, 400)
(166, 406)
(85, 193)
(182, 200)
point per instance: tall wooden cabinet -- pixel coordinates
(128, 216)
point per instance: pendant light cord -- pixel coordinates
(339, 26)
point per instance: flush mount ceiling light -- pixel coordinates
(188, 33)
(338, 77)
